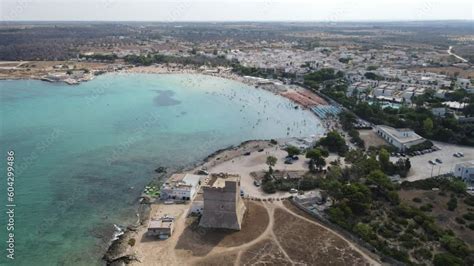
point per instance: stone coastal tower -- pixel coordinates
(223, 206)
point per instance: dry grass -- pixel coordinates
(449, 71)
(200, 241)
(310, 244)
(265, 252)
(224, 259)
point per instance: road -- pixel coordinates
(455, 55)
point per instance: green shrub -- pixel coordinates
(417, 200)
(445, 259)
(131, 242)
(469, 200)
(452, 204)
(269, 187)
(460, 220)
(365, 231)
(422, 254)
(469, 216)
(427, 208)
(454, 245)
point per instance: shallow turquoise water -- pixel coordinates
(83, 153)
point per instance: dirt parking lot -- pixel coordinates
(371, 138)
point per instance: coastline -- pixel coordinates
(153, 69)
(118, 250)
(117, 247)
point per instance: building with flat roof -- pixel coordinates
(181, 187)
(223, 206)
(401, 138)
(465, 171)
(162, 227)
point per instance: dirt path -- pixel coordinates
(165, 252)
(369, 259)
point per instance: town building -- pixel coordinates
(181, 187)
(401, 138)
(223, 205)
(162, 227)
(465, 171)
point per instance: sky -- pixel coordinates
(233, 10)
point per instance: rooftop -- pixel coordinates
(182, 181)
(466, 164)
(403, 135)
(218, 180)
(163, 222)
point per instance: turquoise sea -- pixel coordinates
(84, 153)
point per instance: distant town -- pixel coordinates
(390, 182)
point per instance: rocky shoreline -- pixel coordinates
(119, 251)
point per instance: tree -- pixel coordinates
(292, 150)
(378, 178)
(428, 126)
(316, 157)
(354, 155)
(269, 187)
(454, 245)
(358, 197)
(334, 173)
(457, 186)
(469, 110)
(384, 158)
(365, 231)
(271, 161)
(334, 142)
(407, 164)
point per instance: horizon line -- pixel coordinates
(261, 21)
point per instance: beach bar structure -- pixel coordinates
(223, 205)
(180, 187)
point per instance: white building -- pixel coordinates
(181, 187)
(401, 138)
(465, 171)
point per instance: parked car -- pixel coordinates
(289, 161)
(461, 154)
(293, 191)
(247, 153)
(256, 183)
(456, 155)
(260, 150)
(438, 160)
(432, 162)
